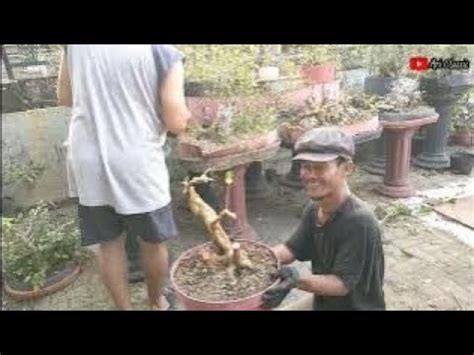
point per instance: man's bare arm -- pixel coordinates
(175, 113)
(64, 91)
(323, 285)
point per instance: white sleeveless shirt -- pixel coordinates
(116, 137)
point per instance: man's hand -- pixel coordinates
(289, 278)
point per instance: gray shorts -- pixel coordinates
(101, 224)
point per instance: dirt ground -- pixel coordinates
(426, 267)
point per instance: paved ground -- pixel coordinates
(429, 260)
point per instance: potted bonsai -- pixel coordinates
(387, 64)
(319, 64)
(239, 127)
(354, 113)
(223, 274)
(277, 71)
(41, 254)
(440, 81)
(216, 73)
(268, 69)
(200, 78)
(353, 64)
(462, 123)
(403, 102)
(213, 70)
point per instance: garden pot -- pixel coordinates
(354, 79)
(284, 86)
(378, 85)
(417, 143)
(190, 148)
(319, 74)
(53, 284)
(252, 302)
(462, 162)
(268, 73)
(463, 137)
(290, 134)
(450, 87)
(201, 88)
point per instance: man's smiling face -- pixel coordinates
(321, 179)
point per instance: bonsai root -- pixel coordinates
(241, 259)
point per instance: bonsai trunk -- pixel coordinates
(229, 255)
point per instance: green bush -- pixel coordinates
(463, 113)
(36, 246)
(247, 120)
(232, 67)
(352, 56)
(23, 173)
(254, 119)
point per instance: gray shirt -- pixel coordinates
(116, 137)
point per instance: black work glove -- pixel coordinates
(289, 278)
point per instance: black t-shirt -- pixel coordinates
(349, 245)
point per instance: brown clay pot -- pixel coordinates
(463, 137)
(65, 281)
(252, 302)
(319, 74)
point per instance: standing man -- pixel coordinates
(124, 99)
(337, 233)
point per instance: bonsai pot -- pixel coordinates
(463, 137)
(417, 143)
(462, 162)
(453, 85)
(289, 134)
(54, 283)
(200, 88)
(268, 73)
(319, 74)
(189, 148)
(252, 301)
(378, 85)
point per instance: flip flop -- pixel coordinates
(165, 305)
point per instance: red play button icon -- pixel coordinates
(419, 63)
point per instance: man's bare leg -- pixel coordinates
(112, 261)
(155, 262)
